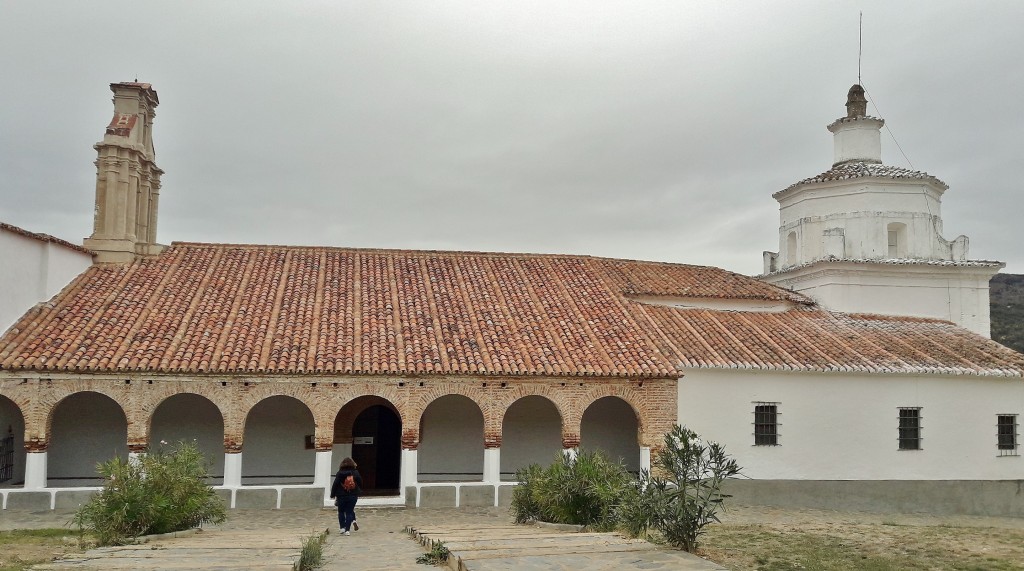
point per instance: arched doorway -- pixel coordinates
(531, 433)
(86, 428)
(369, 429)
(610, 424)
(191, 417)
(277, 447)
(12, 444)
(451, 441)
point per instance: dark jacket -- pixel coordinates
(338, 490)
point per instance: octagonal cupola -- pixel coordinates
(865, 236)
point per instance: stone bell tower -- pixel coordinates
(127, 179)
(867, 237)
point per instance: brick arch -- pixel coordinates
(21, 404)
(160, 392)
(346, 416)
(255, 393)
(48, 402)
(494, 434)
(473, 391)
(636, 401)
(520, 392)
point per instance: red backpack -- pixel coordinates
(349, 484)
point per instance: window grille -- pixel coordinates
(1006, 434)
(910, 428)
(7, 457)
(766, 424)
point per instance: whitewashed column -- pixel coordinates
(233, 470)
(35, 470)
(645, 458)
(570, 452)
(410, 468)
(322, 471)
(492, 465)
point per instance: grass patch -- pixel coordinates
(20, 549)
(312, 555)
(869, 547)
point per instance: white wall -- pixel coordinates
(188, 417)
(610, 424)
(957, 294)
(531, 433)
(273, 447)
(33, 271)
(844, 426)
(451, 441)
(11, 418)
(87, 428)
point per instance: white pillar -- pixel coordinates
(233, 470)
(570, 452)
(322, 471)
(133, 457)
(35, 470)
(492, 465)
(645, 458)
(409, 468)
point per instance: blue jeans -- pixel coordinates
(346, 511)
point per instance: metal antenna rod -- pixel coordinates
(860, 45)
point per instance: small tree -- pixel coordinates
(686, 496)
(159, 492)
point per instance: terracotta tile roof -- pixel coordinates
(862, 170)
(817, 340)
(43, 237)
(218, 308)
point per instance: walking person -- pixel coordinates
(346, 488)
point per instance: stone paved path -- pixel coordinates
(517, 547)
(266, 540)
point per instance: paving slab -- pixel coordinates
(529, 548)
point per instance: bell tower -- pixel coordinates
(867, 237)
(127, 179)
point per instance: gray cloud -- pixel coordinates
(652, 130)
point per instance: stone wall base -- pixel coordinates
(993, 498)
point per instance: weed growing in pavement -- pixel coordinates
(438, 555)
(312, 555)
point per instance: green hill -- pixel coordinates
(1006, 302)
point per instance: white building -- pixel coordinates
(442, 373)
(35, 267)
(866, 237)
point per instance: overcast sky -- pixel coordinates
(643, 130)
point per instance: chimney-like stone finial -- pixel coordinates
(127, 178)
(856, 103)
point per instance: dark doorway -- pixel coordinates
(377, 450)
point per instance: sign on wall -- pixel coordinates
(362, 440)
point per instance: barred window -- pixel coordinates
(766, 424)
(1006, 434)
(910, 428)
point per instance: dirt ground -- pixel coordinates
(764, 538)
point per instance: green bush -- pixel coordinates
(159, 492)
(686, 499)
(583, 490)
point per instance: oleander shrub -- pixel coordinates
(581, 489)
(685, 495)
(158, 492)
